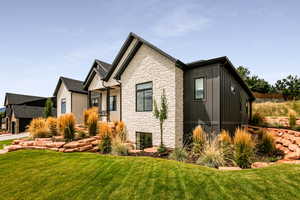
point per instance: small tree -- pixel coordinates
(161, 114)
(48, 108)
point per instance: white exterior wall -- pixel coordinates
(79, 105)
(63, 93)
(149, 65)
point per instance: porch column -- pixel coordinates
(89, 99)
(107, 103)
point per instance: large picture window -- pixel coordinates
(199, 88)
(144, 97)
(113, 103)
(63, 106)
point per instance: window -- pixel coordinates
(113, 103)
(63, 106)
(143, 140)
(95, 98)
(144, 97)
(199, 88)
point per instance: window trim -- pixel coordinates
(204, 88)
(61, 103)
(138, 90)
(114, 108)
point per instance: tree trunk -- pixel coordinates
(161, 134)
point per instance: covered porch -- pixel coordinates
(108, 102)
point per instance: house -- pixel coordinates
(207, 92)
(71, 97)
(21, 109)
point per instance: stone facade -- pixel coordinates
(149, 65)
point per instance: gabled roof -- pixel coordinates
(12, 98)
(99, 67)
(71, 84)
(227, 63)
(23, 111)
(139, 43)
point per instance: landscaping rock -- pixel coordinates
(85, 148)
(70, 150)
(87, 140)
(229, 168)
(289, 161)
(292, 155)
(285, 142)
(61, 149)
(13, 148)
(73, 145)
(293, 147)
(96, 142)
(260, 164)
(3, 151)
(297, 141)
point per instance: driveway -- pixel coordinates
(13, 136)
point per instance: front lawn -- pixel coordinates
(53, 175)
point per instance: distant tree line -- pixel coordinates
(289, 87)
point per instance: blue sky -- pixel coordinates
(42, 40)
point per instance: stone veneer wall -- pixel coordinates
(149, 65)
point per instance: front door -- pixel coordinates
(13, 126)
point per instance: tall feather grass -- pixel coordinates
(66, 124)
(38, 128)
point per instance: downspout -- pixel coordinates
(107, 100)
(120, 99)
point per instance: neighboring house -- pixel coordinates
(21, 109)
(71, 98)
(206, 92)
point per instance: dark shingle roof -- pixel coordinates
(12, 98)
(99, 67)
(71, 84)
(140, 41)
(23, 111)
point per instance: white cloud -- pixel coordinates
(181, 20)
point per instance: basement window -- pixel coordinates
(143, 140)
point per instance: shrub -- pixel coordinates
(292, 118)
(198, 140)
(225, 138)
(105, 144)
(212, 155)
(38, 128)
(48, 108)
(67, 126)
(121, 131)
(179, 154)
(105, 133)
(119, 148)
(265, 143)
(243, 145)
(92, 124)
(52, 126)
(80, 135)
(87, 113)
(257, 118)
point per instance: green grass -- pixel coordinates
(5, 143)
(279, 109)
(53, 175)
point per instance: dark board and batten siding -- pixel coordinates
(204, 112)
(233, 103)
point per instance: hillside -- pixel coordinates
(277, 109)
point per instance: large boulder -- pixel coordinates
(293, 155)
(72, 145)
(13, 148)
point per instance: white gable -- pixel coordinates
(96, 83)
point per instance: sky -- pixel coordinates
(42, 40)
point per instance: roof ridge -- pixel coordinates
(63, 77)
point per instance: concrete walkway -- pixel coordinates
(13, 136)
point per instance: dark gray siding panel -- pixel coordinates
(206, 112)
(233, 104)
